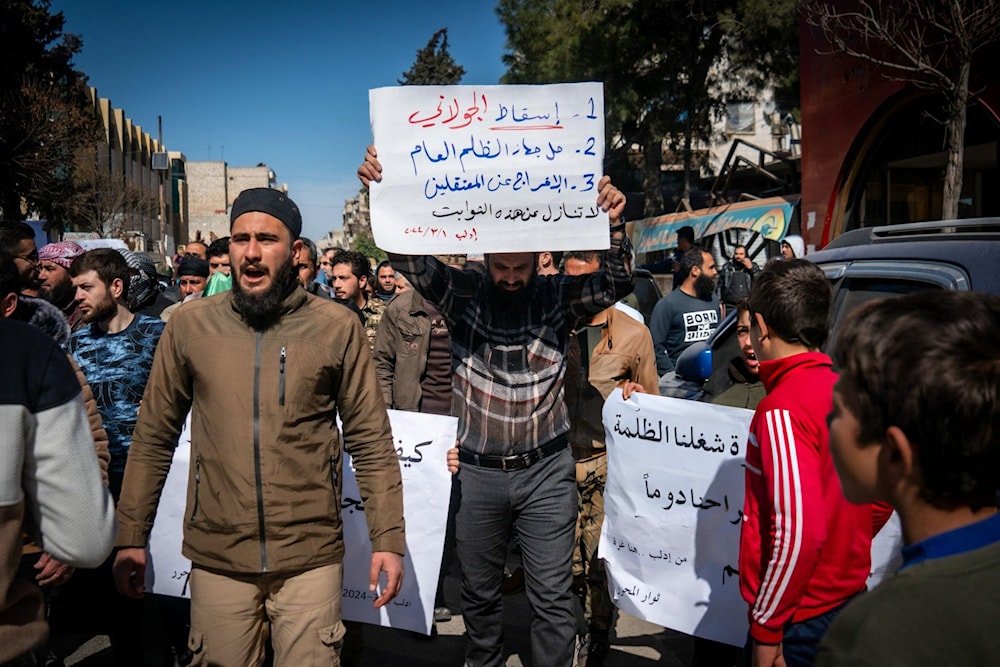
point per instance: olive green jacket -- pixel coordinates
(265, 474)
(401, 348)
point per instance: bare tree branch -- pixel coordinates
(929, 44)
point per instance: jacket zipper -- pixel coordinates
(197, 484)
(256, 454)
(333, 475)
(281, 378)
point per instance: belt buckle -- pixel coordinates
(503, 463)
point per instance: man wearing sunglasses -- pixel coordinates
(17, 239)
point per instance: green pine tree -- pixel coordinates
(434, 65)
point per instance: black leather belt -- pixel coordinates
(514, 461)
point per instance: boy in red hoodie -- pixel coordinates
(804, 549)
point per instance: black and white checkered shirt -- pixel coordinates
(509, 357)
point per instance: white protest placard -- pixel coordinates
(887, 553)
(167, 570)
(476, 169)
(673, 509)
(422, 443)
(673, 506)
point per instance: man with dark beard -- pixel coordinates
(263, 369)
(55, 283)
(510, 333)
(17, 240)
(385, 281)
(114, 349)
(688, 314)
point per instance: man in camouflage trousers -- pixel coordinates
(610, 350)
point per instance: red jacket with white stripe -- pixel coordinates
(804, 549)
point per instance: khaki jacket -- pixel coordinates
(265, 474)
(624, 352)
(401, 347)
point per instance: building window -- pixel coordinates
(739, 118)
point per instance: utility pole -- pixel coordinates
(163, 203)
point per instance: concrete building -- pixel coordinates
(335, 238)
(212, 187)
(357, 217)
(125, 184)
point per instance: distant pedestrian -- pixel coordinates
(218, 257)
(17, 240)
(307, 270)
(793, 247)
(351, 282)
(672, 265)
(145, 291)
(736, 279)
(55, 283)
(197, 249)
(686, 315)
(385, 281)
(548, 263)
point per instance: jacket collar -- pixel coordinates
(295, 300)
(739, 372)
(772, 372)
(417, 305)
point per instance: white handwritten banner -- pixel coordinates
(886, 551)
(673, 509)
(167, 570)
(422, 443)
(474, 169)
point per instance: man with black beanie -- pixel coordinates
(262, 524)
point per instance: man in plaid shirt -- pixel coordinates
(510, 332)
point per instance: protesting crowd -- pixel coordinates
(285, 358)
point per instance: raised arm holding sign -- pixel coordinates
(509, 332)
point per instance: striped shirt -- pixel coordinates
(509, 356)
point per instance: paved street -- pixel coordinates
(635, 644)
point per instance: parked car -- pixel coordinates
(862, 265)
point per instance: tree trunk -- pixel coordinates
(652, 153)
(957, 109)
(10, 207)
(686, 194)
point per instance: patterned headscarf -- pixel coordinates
(143, 285)
(62, 253)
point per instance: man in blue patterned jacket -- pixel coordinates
(114, 349)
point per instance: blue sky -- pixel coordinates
(281, 83)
